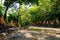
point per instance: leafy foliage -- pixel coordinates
(39, 11)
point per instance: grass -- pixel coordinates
(43, 30)
(35, 29)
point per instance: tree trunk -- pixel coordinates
(5, 13)
(37, 2)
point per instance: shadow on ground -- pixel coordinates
(27, 35)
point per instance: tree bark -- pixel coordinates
(5, 13)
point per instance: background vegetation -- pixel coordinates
(33, 12)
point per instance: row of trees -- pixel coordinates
(32, 12)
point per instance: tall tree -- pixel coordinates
(7, 4)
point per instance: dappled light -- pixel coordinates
(29, 19)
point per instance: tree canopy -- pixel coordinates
(32, 11)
